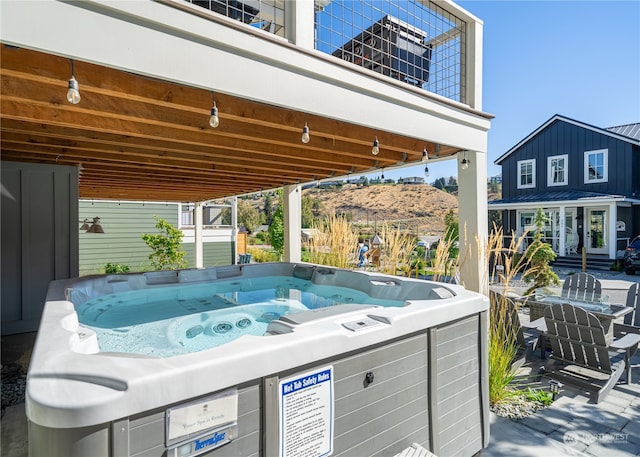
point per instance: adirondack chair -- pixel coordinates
(504, 315)
(631, 323)
(582, 286)
(581, 352)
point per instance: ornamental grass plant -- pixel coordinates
(398, 250)
(503, 334)
(334, 243)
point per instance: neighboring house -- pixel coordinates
(428, 241)
(125, 222)
(587, 180)
(413, 180)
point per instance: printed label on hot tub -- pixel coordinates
(186, 421)
(306, 414)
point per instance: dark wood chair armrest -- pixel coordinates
(625, 328)
(538, 324)
(626, 342)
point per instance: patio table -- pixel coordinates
(607, 313)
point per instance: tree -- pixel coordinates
(276, 229)
(452, 233)
(494, 218)
(308, 206)
(248, 215)
(268, 208)
(539, 255)
(439, 183)
(167, 248)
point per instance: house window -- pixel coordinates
(526, 174)
(557, 170)
(186, 215)
(596, 167)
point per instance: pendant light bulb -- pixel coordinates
(426, 171)
(465, 163)
(305, 134)
(376, 147)
(214, 120)
(73, 94)
(425, 156)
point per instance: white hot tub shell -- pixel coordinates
(349, 380)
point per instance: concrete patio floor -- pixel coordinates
(573, 427)
(569, 427)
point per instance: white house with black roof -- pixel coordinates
(587, 180)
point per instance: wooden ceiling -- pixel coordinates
(137, 138)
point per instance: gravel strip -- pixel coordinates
(517, 407)
(14, 382)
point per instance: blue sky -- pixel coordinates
(579, 59)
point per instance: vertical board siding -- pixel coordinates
(459, 425)
(561, 137)
(38, 238)
(121, 243)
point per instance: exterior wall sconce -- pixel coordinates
(85, 225)
(96, 227)
(305, 134)
(73, 93)
(375, 150)
(464, 163)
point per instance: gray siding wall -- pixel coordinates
(39, 238)
(121, 242)
(563, 138)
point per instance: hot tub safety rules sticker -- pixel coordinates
(306, 414)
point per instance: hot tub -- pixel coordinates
(277, 359)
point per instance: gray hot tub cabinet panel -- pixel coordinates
(458, 394)
(427, 389)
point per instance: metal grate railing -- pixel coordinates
(263, 14)
(412, 41)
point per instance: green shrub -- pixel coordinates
(263, 255)
(539, 256)
(167, 251)
(112, 268)
(539, 395)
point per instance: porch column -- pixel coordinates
(472, 206)
(197, 233)
(234, 229)
(613, 232)
(562, 233)
(292, 196)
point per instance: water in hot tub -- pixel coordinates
(165, 321)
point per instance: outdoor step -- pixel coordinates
(601, 264)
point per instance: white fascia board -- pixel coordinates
(565, 203)
(159, 41)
